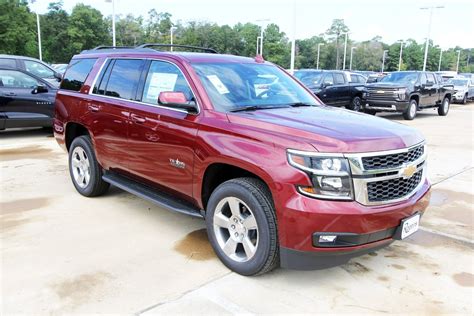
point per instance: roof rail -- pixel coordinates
(112, 47)
(208, 50)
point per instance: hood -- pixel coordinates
(460, 88)
(331, 129)
(388, 85)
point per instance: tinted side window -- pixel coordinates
(431, 77)
(39, 69)
(338, 78)
(124, 78)
(17, 79)
(76, 74)
(164, 76)
(7, 62)
(423, 78)
(328, 79)
(354, 78)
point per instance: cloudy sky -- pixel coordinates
(392, 19)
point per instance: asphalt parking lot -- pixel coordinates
(64, 253)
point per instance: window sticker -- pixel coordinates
(160, 82)
(217, 83)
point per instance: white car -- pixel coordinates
(464, 89)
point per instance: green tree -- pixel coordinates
(18, 29)
(338, 27)
(55, 38)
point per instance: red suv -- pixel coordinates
(280, 178)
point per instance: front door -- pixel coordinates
(161, 139)
(20, 105)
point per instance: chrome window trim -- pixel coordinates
(144, 103)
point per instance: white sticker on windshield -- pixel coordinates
(160, 82)
(217, 83)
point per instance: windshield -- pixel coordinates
(309, 78)
(457, 82)
(234, 86)
(410, 77)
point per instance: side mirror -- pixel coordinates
(39, 89)
(58, 76)
(429, 84)
(177, 100)
(326, 84)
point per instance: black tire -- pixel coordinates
(356, 104)
(443, 108)
(464, 100)
(95, 186)
(257, 197)
(409, 113)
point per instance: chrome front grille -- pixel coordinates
(393, 160)
(389, 176)
(392, 189)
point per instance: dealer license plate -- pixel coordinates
(410, 225)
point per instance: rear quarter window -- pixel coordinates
(77, 73)
(7, 62)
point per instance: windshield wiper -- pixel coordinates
(255, 107)
(297, 104)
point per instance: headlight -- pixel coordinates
(401, 93)
(330, 175)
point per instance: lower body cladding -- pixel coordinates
(385, 105)
(318, 234)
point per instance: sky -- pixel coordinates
(393, 20)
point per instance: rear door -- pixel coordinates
(341, 89)
(20, 106)
(161, 138)
(108, 110)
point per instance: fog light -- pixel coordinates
(327, 238)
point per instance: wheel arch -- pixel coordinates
(74, 130)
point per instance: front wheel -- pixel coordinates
(443, 108)
(410, 112)
(356, 104)
(241, 226)
(464, 100)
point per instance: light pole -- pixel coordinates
(261, 35)
(293, 41)
(429, 31)
(383, 59)
(113, 21)
(440, 57)
(457, 64)
(258, 45)
(345, 49)
(171, 34)
(401, 52)
(352, 52)
(317, 60)
(39, 31)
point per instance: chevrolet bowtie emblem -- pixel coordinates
(408, 171)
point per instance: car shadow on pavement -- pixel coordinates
(26, 132)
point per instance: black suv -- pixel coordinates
(408, 92)
(25, 100)
(32, 65)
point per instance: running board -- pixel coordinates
(160, 198)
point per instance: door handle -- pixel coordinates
(10, 94)
(138, 119)
(93, 108)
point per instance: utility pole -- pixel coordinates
(171, 34)
(293, 41)
(429, 31)
(457, 64)
(317, 60)
(383, 59)
(350, 63)
(337, 50)
(401, 52)
(440, 57)
(261, 35)
(345, 49)
(113, 21)
(39, 31)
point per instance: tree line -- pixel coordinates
(64, 35)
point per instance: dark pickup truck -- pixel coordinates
(408, 92)
(336, 88)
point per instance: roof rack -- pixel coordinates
(208, 50)
(112, 47)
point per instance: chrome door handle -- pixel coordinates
(93, 108)
(138, 119)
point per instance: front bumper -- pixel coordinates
(373, 227)
(385, 105)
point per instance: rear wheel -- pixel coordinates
(443, 108)
(464, 100)
(85, 171)
(410, 112)
(241, 226)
